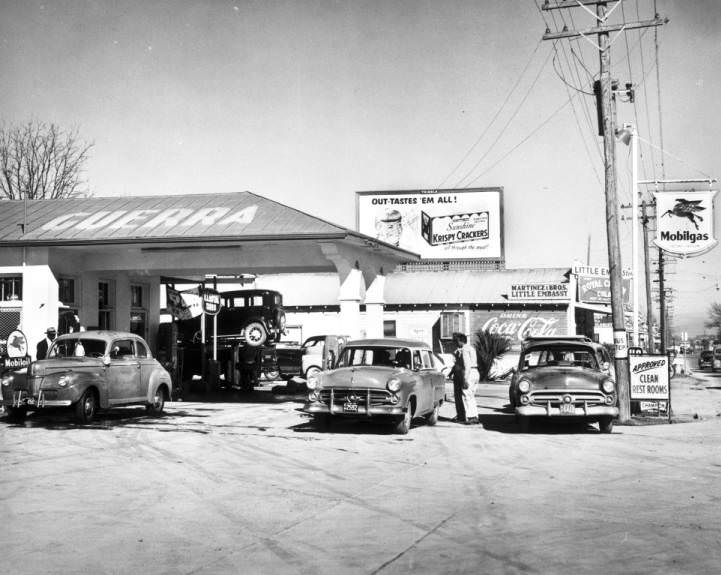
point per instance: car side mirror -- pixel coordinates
(106, 360)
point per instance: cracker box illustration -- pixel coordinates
(453, 229)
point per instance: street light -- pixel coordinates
(628, 135)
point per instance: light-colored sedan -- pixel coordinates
(87, 371)
(392, 379)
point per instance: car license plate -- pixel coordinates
(568, 409)
(350, 407)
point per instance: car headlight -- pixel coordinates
(608, 386)
(524, 386)
(313, 382)
(6, 380)
(394, 384)
(64, 380)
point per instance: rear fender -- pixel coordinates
(157, 379)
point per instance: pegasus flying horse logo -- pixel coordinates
(687, 209)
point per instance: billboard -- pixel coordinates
(594, 284)
(436, 224)
(685, 222)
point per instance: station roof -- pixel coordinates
(166, 219)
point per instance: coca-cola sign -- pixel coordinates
(519, 324)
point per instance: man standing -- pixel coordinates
(44, 344)
(465, 380)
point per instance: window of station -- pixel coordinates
(66, 291)
(451, 322)
(106, 304)
(138, 313)
(11, 288)
(389, 328)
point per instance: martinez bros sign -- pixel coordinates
(685, 222)
(538, 291)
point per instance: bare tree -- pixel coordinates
(714, 320)
(41, 161)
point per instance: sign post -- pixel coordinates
(650, 382)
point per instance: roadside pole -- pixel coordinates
(608, 131)
(650, 347)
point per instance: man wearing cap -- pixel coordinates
(44, 344)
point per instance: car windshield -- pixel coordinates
(380, 356)
(565, 356)
(706, 354)
(78, 347)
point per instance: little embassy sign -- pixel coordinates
(543, 291)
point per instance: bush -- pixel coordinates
(489, 346)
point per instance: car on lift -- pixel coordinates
(564, 377)
(252, 317)
(388, 379)
(87, 371)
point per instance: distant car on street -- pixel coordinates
(565, 378)
(705, 359)
(390, 379)
(87, 371)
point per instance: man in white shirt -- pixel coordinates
(465, 378)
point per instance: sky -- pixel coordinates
(307, 102)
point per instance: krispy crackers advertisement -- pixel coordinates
(437, 224)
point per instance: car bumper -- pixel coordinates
(363, 411)
(24, 399)
(583, 411)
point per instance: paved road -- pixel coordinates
(250, 487)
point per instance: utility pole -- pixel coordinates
(647, 270)
(607, 118)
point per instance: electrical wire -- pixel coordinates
(493, 120)
(503, 129)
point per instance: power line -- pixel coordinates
(503, 129)
(495, 117)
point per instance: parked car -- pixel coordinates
(388, 379)
(252, 317)
(87, 371)
(317, 353)
(705, 359)
(564, 378)
(716, 358)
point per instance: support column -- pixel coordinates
(88, 312)
(375, 302)
(40, 303)
(349, 298)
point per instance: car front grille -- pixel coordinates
(362, 396)
(555, 397)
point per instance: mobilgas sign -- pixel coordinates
(684, 222)
(437, 224)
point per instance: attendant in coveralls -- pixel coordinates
(465, 380)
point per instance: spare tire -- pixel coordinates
(255, 334)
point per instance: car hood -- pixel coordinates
(564, 378)
(367, 376)
(47, 367)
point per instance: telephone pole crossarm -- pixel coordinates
(574, 4)
(658, 21)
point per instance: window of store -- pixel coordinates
(138, 313)
(389, 328)
(11, 288)
(451, 322)
(106, 304)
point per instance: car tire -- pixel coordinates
(16, 413)
(605, 425)
(87, 407)
(255, 334)
(432, 417)
(404, 424)
(272, 374)
(312, 370)
(156, 407)
(524, 422)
